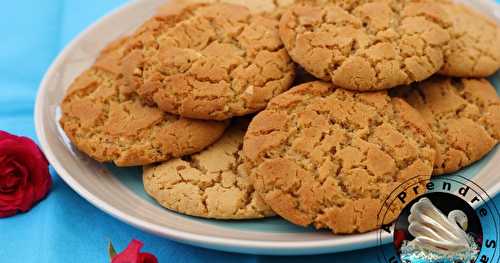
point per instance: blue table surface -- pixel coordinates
(65, 227)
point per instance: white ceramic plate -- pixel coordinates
(119, 191)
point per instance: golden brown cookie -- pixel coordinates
(474, 49)
(211, 61)
(367, 45)
(256, 6)
(211, 184)
(107, 121)
(464, 115)
(330, 157)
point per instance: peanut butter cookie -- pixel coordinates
(255, 6)
(464, 115)
(367, 45)
(474, 49)
(211, 184)
(330, 157)
(107, 121)
(211, 61)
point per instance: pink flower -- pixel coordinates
(24, 174)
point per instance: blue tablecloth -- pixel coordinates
(65, 227)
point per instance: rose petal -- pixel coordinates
(38, 167)
(5, 135)
(5, 166)
(9, 204)
(130, 254)
(15, 150)
(28, 199)
(22, 172)
(9, 182)
(10, 179)
(20, 200)
(12, 199)
(148, 258)
(7, 213)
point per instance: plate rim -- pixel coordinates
(347, 243)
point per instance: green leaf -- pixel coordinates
(111, 250)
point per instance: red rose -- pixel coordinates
(132, 254)
(24, 174)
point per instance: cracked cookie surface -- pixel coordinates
(107, 121)
(330, 157)
(464, 115)
(211, 61)
(367, 45)
(256, 6)
(474, 49)
(210, 184)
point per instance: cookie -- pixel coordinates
(474, 49)
(210, 184)
(330, 157)
(255, 6)
(107, 121)
(464, 115)
(212, 61)
(367, 45)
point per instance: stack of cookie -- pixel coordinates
(353, 99)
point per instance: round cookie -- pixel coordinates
(367, 45)
(210, 184)
(474, 49)
(464, 115)
(330, 157)
(107, 121)
(212, 61)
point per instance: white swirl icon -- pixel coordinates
(433, 230)
(437, 236)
